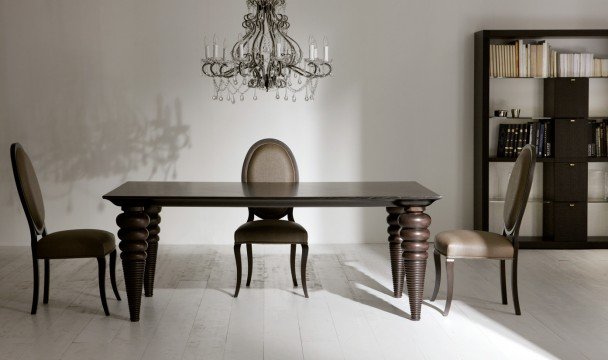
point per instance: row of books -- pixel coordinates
(519, 60)
(598, 143)
(513, 137)
(538, 60)
(581, 65)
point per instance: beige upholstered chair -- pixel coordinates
(270, 161)
(468, 244)
(66, 244)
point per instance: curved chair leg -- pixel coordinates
(449, 269)
(514, 286)
(503, 282)
(292, 261)
(36, 286)
(437, 261)
(47, 275)
(101, 262)
(237, 257)
(113, 274)
(249, 263)
(303, 270)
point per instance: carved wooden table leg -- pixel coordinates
(415, 233)
(133, 234)
(394, 241)
(153, 230)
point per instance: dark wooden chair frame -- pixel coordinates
(512, 235)
(292, 260)
(35, 232)
(289, 213)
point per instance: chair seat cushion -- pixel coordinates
(473, 244)
(271, 232)
(79, 243)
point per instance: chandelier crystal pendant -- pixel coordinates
(265, 59)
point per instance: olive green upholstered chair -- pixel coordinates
(270, 161)
(469, 244)
(67, 244)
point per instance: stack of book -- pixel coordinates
(513, 137)
(538, 60)
(598, 143)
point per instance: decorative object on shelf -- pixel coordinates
(265, 58)
(515, 113)
(501, 113)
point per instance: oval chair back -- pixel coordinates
(270, 160)
(518, 191)
(29, 190)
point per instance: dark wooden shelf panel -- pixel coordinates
(519, 118)
(531, 34)
(541, 78)
(551, 159)
(538, 242)
(538, 159)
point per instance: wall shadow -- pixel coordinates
(117, 144)
(111, 139)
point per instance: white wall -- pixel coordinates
(100, 92)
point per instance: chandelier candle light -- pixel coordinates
(266, 58)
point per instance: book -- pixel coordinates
(591, 138)
(548, 141)
(509, 141)
(537, 137)
(541, 140)
(502, 139)
(533, 58)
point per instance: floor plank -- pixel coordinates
(350, 314)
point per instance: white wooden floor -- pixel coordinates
(349, 315)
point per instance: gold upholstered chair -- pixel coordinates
(468, 244)
(67, 244)
(270, 161)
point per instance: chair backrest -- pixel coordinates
(518, 190)
(270, 160)
(28, 188)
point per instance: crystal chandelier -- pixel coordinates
(265, 59)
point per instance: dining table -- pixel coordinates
(141, 202)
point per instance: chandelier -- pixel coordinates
(265, 59)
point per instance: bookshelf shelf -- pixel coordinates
(598, 159)
(589, 201)
(552, 77)
(560, 201)
(503, 118)
(543, 242)
(538, 159)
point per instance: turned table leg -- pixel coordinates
(394, 241)
(415, 233)
(133, 234)
(153, 230)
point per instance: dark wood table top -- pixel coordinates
(303, 194)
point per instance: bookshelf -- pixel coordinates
(560, 214)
